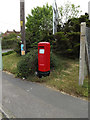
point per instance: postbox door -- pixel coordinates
(41, 59)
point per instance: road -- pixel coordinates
(7, 50)
(24, 99)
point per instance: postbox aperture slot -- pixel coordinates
(41, 47)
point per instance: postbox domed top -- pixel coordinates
(43, 43)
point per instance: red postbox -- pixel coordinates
(43, 59)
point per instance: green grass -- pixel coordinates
(64, 78)
(10, 62)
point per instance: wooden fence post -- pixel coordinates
(82, 53)
(0, 73)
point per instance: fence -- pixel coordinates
(0, 73)
(88, 47)
(84, 53)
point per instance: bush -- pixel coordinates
(62, 43)
(53, 61)
(50, 39)
(8, 44)
(9, 41)
(74, 44)
(17, 47)
(29, 64)
(7, 53)
(67, 44)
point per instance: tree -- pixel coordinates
(73, 24)
(67, 12)
(9, 41)
(39, 24)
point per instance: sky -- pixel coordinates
(10, 11)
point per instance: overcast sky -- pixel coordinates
(10, 11)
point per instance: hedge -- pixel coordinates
(9, 41)
(74, 43)
(66, 44)
(8, 44)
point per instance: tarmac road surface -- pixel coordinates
(24, 99)
(7, 50)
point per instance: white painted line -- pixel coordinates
(3, 112)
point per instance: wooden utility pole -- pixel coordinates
(22, 24)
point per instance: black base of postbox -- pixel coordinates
(40, 74)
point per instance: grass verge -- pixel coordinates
(10, 62)
(64, 77)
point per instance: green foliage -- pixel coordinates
(9, 41)
(66, 44)
(73, 25)
(39, 25)
(17, 47)
(50, 39)
(10, 36)
(68, 11)
(7, 44)
(68, 41)
(10, 62)
(74, 44)
(28, 64)
(61, 43)
(7, 53)
(64, 78)
(53, 61)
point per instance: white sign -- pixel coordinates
(41, 51)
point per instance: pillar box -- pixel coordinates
(43, 59)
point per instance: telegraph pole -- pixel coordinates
(22, 24)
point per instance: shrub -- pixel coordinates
(29, 64)
(50, 39)
(7, 53)
(53, 61)
(67, 44)
(17, 47)
(62, 43)
(8, 44)
(74, 44)
(9, 41)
